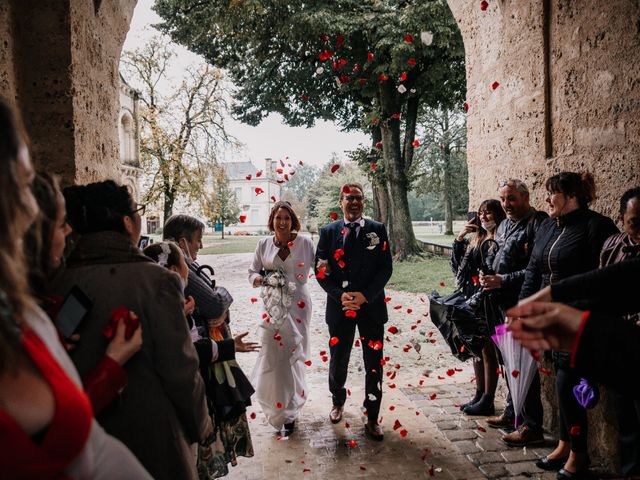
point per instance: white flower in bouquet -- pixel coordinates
(277, 295)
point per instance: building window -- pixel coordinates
(238, 193)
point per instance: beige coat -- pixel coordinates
(162, 409)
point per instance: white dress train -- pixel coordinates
(279, 373)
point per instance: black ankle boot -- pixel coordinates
(484, 407)
(475, 399)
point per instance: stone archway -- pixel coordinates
(59, 62)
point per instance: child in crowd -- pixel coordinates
(228, 389)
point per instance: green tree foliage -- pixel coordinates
(443, 162)
(324, 194)
(367, 64)
(221, 205)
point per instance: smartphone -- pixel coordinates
(74, 310)
(144, 242)
(472, 216)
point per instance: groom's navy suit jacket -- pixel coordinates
(367, 271)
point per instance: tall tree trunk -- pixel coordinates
(447, 193)
(403, 240)
(380, 196)
(169, 199)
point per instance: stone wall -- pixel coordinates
(568, 99)
(568, 95)
(59, 61)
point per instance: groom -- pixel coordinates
(353, 264)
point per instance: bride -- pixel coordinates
(281, 266)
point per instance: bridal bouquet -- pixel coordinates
(277, 295)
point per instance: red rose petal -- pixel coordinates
(369, 56)
(431, 471)
(397, 425)
(494, 85)
(333, 216)
(403, 77)
(259, 173)
(408, 38)
(334, 168)
(392, 329)
(254, 300)
(392, 407)
(442, 284)
(253, 415)
(333, 341)
(515, 373)
(416, 143)
(403, 433)
(279, 405)
(451, 372)
(384, 246)
(350, 314)
(308, 363)
(466, 106)
(412, 61)
(432, 396)
(352, 443)
(575, 430)
(483, 5)
(301, 304)
(258, 191)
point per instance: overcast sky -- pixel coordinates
(269, 139)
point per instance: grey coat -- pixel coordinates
(162, 409)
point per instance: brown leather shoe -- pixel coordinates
(336, 413)
(374, 431)
(523, 437)
(500, 421)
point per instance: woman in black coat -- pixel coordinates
(566, 244)
(467, 260)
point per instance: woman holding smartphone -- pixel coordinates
(468, 259)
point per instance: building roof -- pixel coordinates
(239, 170)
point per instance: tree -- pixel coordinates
(298, 184)
(181, 124)
(221, 205)
(324, 194)
(367, 64)
(443, 161)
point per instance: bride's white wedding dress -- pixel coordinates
(279, 373)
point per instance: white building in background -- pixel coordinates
(255, 207)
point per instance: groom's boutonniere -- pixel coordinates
(374, 240)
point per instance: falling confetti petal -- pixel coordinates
(258, 190)
(335, 168)
(254, 300)
(308, 363)
(333, 216)
(397, 425)
(301, 304)
(352, 443)
(575, 430)
(494, 85)
(393, 330)
(369, 56)
(351, 313)
(248, 177)
(243, 218)
(432, 396)
(279, 405)
(412, 62)
(515, 373)
(383, 77)
(253, 415)
(333, 341)
(483, 5)
(426, 38)
(403, 433)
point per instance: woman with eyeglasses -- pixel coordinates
(162, 410)
(567, 244)
(44, 248)
(281, 266)
(468, 259)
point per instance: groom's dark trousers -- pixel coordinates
(364, 267)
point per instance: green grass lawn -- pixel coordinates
(418, 275)
(423, 275)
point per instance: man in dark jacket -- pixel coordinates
(515, 236)
(353, 264)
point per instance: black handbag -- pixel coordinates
(458, 323)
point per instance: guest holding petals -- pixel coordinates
(281, 265)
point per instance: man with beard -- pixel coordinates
(353, 264)
(515, 236)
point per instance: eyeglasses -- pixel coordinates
(353, 198)
(503, 183)
(485, 213)
(140, 210)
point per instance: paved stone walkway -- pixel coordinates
(423, 386)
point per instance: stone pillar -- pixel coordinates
(59, 61)
(567, 98)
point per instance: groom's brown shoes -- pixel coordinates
(336, 413)
(374, 431)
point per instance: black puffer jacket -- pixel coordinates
(516, 240)
(566, 246)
